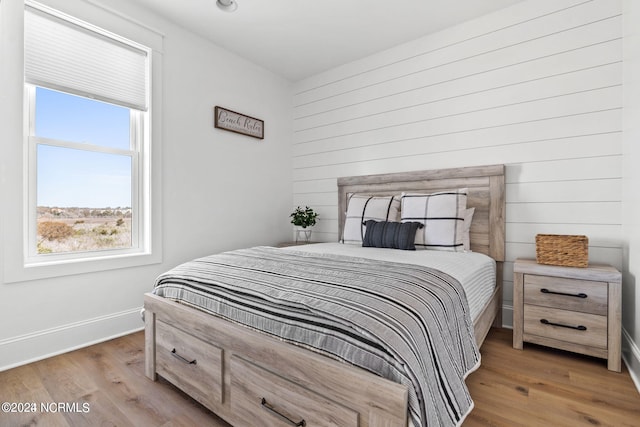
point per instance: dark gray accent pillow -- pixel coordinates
(388, 234)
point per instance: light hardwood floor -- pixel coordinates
(540, 386)
(534, 387)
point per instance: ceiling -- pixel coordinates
(299, 38)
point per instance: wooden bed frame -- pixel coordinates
(249, 378)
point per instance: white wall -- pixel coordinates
(536, 86)
(631, 183)
(220, 190)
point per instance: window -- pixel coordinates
(83, 153)
(87, 141)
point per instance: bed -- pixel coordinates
(248, 377)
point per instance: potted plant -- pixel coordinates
(303, 220)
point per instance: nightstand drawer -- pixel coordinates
(569, 326)
(567, 294)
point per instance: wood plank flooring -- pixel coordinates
(539, 386)
(104, 385)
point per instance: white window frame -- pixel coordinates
(14, 218)
(138, 157)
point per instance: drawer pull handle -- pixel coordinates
(579, 328)
(266, 405)
(175, 354)
(547, 291)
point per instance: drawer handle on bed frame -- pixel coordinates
(175, 354)
(266, 405)
(579, 328)
(547, 291)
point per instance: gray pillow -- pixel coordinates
(389, 234)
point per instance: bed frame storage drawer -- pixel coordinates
(189, 363)
(261, 397)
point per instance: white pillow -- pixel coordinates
(466, 239)
(443, 216)
(363, 207)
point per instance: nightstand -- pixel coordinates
(569, 308)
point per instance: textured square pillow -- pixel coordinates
(394, 235)
(362, 207)
(442, 215)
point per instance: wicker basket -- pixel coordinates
(560, 249)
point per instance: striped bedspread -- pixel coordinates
(405, 322)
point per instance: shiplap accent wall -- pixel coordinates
(537, 86)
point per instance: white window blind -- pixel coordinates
(74, 57)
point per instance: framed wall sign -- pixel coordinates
(238, 123)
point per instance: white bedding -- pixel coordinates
(475, 271)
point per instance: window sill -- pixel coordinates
(47, 269)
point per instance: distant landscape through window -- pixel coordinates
(83, 175)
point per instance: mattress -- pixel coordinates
(474, 271)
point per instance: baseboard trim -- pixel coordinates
(631, 357)
(507, 316)
(28, 348)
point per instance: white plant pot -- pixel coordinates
(302, 235)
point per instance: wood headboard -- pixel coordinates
(486, 194)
